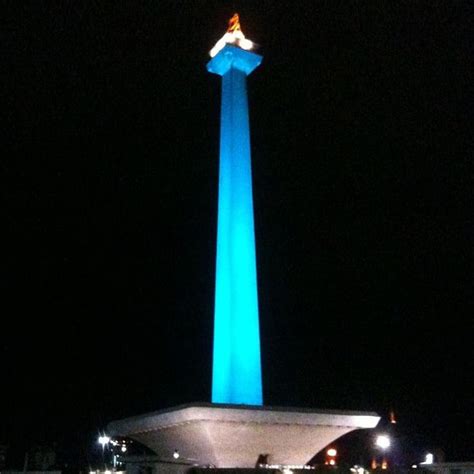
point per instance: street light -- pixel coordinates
(331, 456)
(429, 458)
(382, 441)
(103, 440)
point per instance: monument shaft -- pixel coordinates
(236, 375)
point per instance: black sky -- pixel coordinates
(361, 118)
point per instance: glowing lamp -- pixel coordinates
(103, 440)
(383, 441)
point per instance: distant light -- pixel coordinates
(176, 454)
(429, 459)
(332, 462)
(123, 449)
(414, 466)
(103, 440)
(331, 452)
(107, 472)
(383, 441)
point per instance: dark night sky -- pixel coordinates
(361, 120)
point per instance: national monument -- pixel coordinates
(236, 430)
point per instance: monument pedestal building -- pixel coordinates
(238, 436)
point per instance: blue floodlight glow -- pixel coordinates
(236, 376)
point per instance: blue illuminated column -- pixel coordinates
(236, 377)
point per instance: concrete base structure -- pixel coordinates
(240, 436)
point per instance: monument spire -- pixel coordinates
(236, 377)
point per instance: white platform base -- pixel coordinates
(238, 435)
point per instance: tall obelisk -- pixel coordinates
(230, 436)
(236, 377)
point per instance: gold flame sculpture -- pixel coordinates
(233, 36)
(234, 24)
